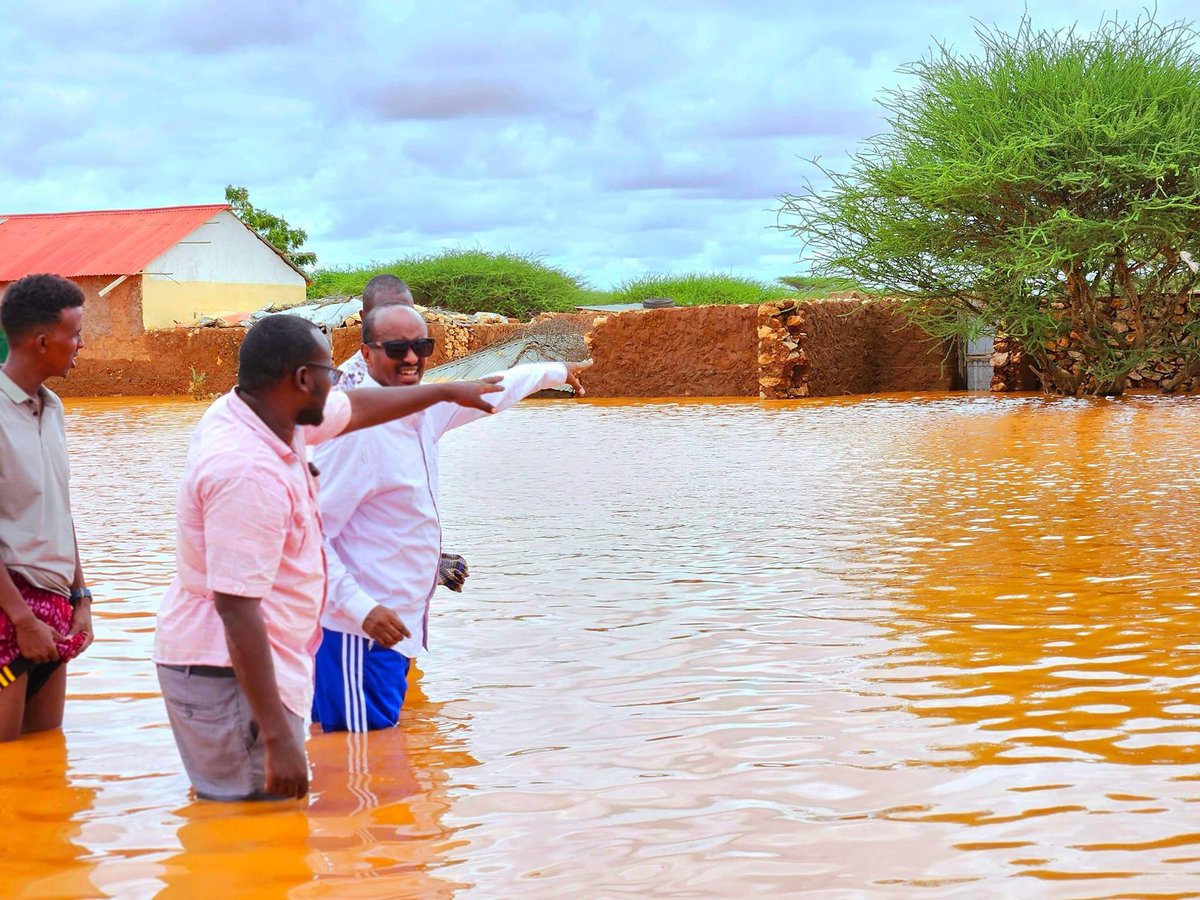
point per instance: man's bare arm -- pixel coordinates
(81, 615)
(246, 635)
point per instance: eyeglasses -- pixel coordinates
(335, 375)
(423, 347)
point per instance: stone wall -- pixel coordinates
(783, 364)
(1013, 370)
(698, 351)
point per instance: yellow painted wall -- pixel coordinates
(166, 302)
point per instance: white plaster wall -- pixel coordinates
(223, 250)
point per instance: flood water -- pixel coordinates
(905, 646)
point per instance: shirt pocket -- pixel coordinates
(303, 531)
(208, 700)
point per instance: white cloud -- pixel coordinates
(613, 139)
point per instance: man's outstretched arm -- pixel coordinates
(516, 383)
(374, 406)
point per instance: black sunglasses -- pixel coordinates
(423, 347)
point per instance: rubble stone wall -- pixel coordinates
(1013, 370)
(784, 368)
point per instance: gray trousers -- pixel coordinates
(215, 731)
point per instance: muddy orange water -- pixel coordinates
(943, 646)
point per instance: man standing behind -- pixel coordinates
(382, 290)
(382, 528)
(45, 608)
(238, 626)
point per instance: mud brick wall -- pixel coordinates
(454, 341)
(156, 363)
(780, 350)
(827, 348)
(697, 351)
(112, 324)
(865, 346)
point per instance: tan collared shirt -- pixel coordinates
(37, 538)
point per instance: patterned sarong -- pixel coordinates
(51, 608)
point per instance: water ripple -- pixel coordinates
(938, 645)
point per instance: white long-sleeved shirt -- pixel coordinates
(379, 504)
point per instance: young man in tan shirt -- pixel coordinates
(45, 607)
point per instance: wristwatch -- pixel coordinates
(78, 594)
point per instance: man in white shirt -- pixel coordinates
(379, 504)
(385, 290)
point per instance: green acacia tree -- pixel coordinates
(272, 228)
(1048, 187)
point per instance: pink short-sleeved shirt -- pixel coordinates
(248, 524)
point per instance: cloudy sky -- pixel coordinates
(613, 138)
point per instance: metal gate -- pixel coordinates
(978, 360)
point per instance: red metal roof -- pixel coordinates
(104, 242)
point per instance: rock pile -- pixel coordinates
(1008, 366)
(1167, 372)
(783, 365)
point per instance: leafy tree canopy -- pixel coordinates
(1048, 186)
(275, 230)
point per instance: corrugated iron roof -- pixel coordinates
(552, 347)
(325, 316)
(103, 242)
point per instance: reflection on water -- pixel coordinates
(942, 645)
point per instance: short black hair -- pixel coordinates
(274, 348)
(369, 323)
(36, 301)
(382, 284)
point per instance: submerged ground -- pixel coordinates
(905, 645)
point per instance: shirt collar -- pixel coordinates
(15, 392)
(241, 411)
(368, 381)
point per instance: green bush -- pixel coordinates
(694, 289)
(467, 281)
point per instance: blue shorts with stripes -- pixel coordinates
(360, 685)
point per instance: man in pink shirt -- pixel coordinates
(239, 624)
